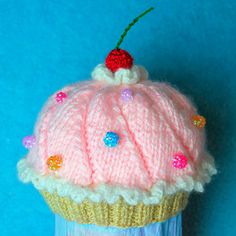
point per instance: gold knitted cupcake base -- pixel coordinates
(119, 214)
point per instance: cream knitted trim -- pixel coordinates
(111, 194)
(121, 76)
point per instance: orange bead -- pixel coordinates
(54, 162)
(199, 121)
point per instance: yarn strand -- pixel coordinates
(135, 20)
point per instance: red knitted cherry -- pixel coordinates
(119, 58)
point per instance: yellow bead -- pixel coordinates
(54, 162)
(199, 121)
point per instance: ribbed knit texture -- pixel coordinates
(119, 214)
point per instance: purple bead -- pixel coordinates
(29, 141)
(126, 95)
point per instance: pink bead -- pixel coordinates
(29, 141)
(179, 161)
(60, 97)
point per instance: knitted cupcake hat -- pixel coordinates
(119, 150)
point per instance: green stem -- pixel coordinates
(135, 20)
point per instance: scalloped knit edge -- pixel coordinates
(111, 194)
(122, 76)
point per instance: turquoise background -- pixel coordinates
(46, 44)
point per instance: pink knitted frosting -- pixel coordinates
(153, 126)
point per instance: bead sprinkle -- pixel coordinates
(54, 162)
(199, 121)
(111, 139)
(126, 95)
(29, 141)
(180, 161)
(60, 97)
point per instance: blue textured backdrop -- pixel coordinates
(45, 44)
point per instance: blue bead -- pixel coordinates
(111, 139)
